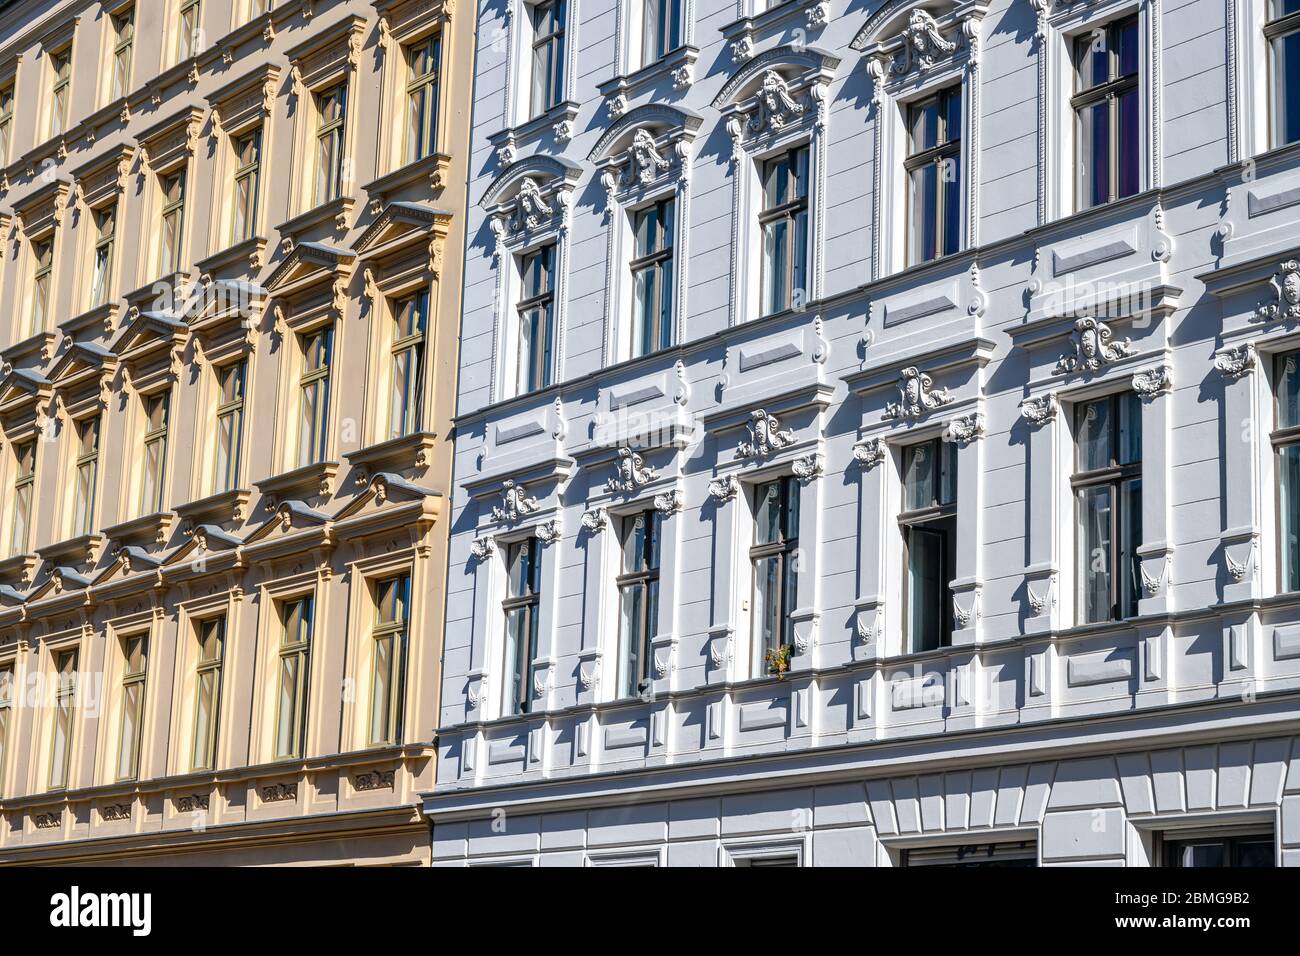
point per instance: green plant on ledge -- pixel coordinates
(778, 661)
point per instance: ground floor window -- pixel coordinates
(974, 855)
(1217, 850)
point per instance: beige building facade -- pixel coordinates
(229, 304)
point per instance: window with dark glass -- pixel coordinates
(933, 167)
(42, 272)
(536, 319)
(784, 224)
(6, 120)
(548, 54)
(207, 692)
(661, 29)
(652, 278)
(60, 89)
(6, 710)
(135, 657)
(423, 62)
(1107, 486)
(774, 561)
(929, 525)
(638, 598)
(1219, 850)
(331, 111)
(295, 659)
(411, 316)
(1108, 113)
(523, 597)
(1283, 33)
(1286, 445)
(388, 677)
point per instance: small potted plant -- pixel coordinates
(778, 661)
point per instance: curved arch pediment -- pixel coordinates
(891, 18)
(541, 170)
(654, 115)
(796, 61)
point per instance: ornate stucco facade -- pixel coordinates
(230, 296)
(1040, 698)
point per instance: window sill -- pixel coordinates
(407, 453)
(558, 119)
(335, 214)
(78, 553)
(300, 484)
(224, 506)
(429, 173)
(146, 530)
(19, 571)
(41, 344)
(679, 64)
(740, 35)
(100, 318)
(244, 258)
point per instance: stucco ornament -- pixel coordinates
(515, 503)
(765, 436)
(1093, 348)
(482, 548)
(776, 107)
(530, 211)
(1041, 410)
(1285, 306)
(870, 452)
(918, 395)
(644, 161)
(724, 488)
(1153, 381)
(594, 520)
(808, 467)
(923, 44)
(966, 429)
(631, 472)
(1237, 361)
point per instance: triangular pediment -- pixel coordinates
(127, 562)
(61, 580)
(385, 489)
(309, 264)
(147, 332)
(290, 516)
(204, 539)
(82, 361)
(21, 385)
(399, 225)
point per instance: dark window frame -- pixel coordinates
(796, 255)
(937, 516)
(528, 603)
(784, 548)
(657, 332)
(1109, 91)
(946, 148)
(643, 577)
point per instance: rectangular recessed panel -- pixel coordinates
(1100, 668)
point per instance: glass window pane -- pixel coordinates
(1287, 80)
(1129, 145)
(1095, 554)
(926, 586)
(631, 637)
(1094, 435)
(1130, 531)
(918, 476)
(1289, 506)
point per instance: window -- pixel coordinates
(1220, 850)
(784, 222)
(1286, 443)
(135, 657)
(424, 61)
(65, 666)
(536, 319)
(188, 35)
(230, 426)
(652, 278)
(1107, 109)
(975, 856)
(1108, 500)
(774, 558)
(42, 271)
(6, 120)
(314, 396)
(248, 171)
(101, 275)
(24, 482)
(766, 861)
(523, 595)
(173, 223)
(1283, 33)
(638, 600)
(60, 89)
(156, 413)
(257, 8)
(87, 475)
(207, 692)
(295, 655)
(6, 710)
(661, 29)
(929, 525)
(331, 108)
(388, 691)
(548, 55)
(122, 24)
(933, 167)
(411, 318)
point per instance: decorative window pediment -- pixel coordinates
(22, 390)
(83, 376)
(327, 56)
(904, 40)
(780, 94)
(406, 237)
(389, 503)
(648, 148)
(170, 143)
(43, 211)
(104, 180)
(530, 200)
(224, 318)
(150, 345)
(248, 101)
(313, 271)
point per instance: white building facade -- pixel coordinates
(875, 436)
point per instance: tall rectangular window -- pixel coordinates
(135, 658)
(1108, 114)
(123, 27)
(65, 666)
(523, 597)
(411, 317)
(1108, 502)
(661, 29)
(652, 278)
(207, 692)
(784, 223)
(257, 8)
(1286, 444)
(388, 684)
(933, 167)
(172, 233)
(314, 396)
(248, 175)
(6, 120)
(424, 63)
(6, 712)
(230, 426)
(295, 658)
(929, 526)
(1283, 34)
(60, 89)
(536, 319)
(774, 561)
(332, 111)
(157, 410)
(548, 54)
(87, 476)
(101, 275)
(638, 599)
(188, 37)
(24, 486)
(42, 284)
